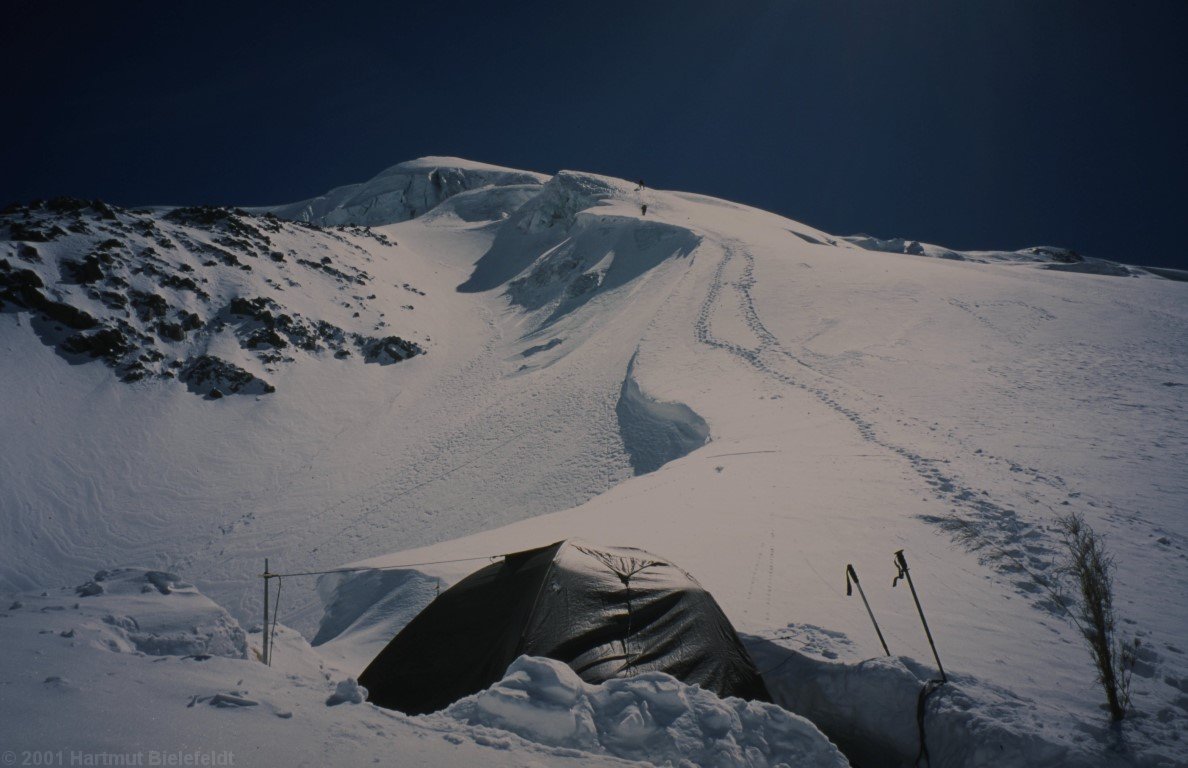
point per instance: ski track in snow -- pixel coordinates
(770, 357)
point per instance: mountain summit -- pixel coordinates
(403, 191)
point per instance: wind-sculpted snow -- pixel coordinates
(130, 610)
(402, 192)
(565, 247)
(563, 197)
(596, 260)
(540, 229)
(651, 717)
(655, 433)
(384, 600)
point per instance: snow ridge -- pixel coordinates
(655, 433)
(402, 192)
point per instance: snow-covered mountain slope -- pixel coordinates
(760, 401)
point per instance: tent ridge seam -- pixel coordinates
(539, 591)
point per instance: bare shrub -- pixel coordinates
(1086, 570)
(1090, 568)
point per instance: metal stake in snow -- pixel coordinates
(264, 648)
(852, 574)
(902, 566)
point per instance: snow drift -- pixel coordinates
(155, 613)
(650, 717)
(654, 432)
(869, 708)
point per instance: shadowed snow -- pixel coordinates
(655, 433)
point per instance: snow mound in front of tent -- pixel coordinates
(652, 717)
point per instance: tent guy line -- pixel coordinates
(270, 575)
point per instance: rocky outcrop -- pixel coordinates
(147, 293)
(388, 350)
(213, 377)
(22, 288)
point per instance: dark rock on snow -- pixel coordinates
(206, 375)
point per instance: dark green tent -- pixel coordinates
(607, 612)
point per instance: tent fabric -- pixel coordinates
(607, 612)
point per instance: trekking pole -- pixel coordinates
(904, 573)
(852, 574)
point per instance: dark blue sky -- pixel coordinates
(971, 124)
